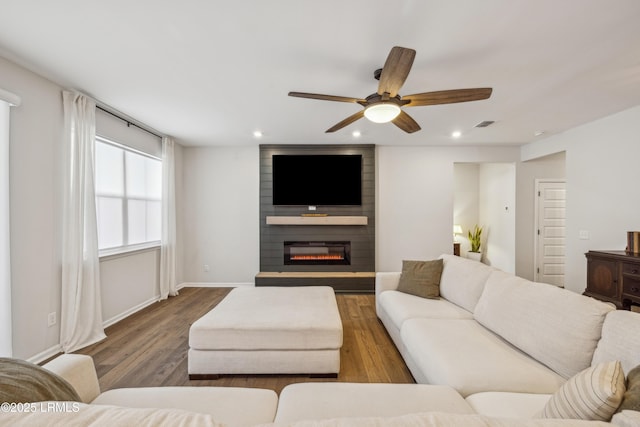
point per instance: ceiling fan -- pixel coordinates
(385, 105)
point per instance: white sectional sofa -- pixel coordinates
(299, 405)
(488, 353)
(503, 342)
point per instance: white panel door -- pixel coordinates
(550, 241)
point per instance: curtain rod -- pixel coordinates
(128, 122)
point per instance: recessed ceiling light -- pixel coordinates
(456, 134)
(257, 134)
(538, 133)
(356, 134)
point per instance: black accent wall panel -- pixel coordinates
(362, 237)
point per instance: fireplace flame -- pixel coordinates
(316, 257)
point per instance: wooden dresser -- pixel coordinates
(614, 276)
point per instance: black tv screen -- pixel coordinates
(322, 179)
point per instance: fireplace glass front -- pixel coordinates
(317, 253)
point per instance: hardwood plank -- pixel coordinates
(149, 348)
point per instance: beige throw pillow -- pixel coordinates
(421, 278)
(593, 394)
(631, 398)
(24, 382)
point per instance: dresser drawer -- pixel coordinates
(628, 268)
(631, 284)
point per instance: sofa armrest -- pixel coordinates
(79, 371)
(387, 281)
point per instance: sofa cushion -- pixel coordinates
(24, 382)
(593, 394)
(305, 401)
(471, 359)
(400, 307)
(620, 340)
(74, 414)
(631, 398)
(508, 405)
(546, 322)
(626, 418)
(463, 280)
(421, 278)
(233, 406)
(439, 419)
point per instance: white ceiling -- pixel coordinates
(213, 72)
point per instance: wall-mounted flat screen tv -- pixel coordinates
(321, 179)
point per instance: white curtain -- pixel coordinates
(6, 346)
(81, 308)
(168, 248)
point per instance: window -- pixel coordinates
(128, 197)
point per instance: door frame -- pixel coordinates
(536, 219)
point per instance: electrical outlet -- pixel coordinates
(51, 319)
(205, 267)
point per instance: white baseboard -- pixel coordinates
(129, 312)
(46, 354)
(56, 349)
(213, 285)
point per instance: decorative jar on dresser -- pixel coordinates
(614, 276)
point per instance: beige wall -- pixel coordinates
(35, 198)
(485, 195)
(547, 167)
(415, 187)
(36, 205)
(601, 160)
(497, 214)
(415, 193)
(220, 213)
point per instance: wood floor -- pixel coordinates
(149, 348)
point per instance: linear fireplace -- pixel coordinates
(317, 253)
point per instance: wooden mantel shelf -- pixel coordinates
(317, 220)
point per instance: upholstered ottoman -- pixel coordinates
(268, 330)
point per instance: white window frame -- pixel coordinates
(126, 248)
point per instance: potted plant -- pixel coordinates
(474, 239)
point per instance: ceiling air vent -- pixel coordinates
(485, 124)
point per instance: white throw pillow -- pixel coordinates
(593, 394)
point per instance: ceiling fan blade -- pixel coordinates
(352, 118)
(395, 70)
(406, 123)
(447, 96)
(328, 97)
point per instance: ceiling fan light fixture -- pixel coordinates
(382, 112)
